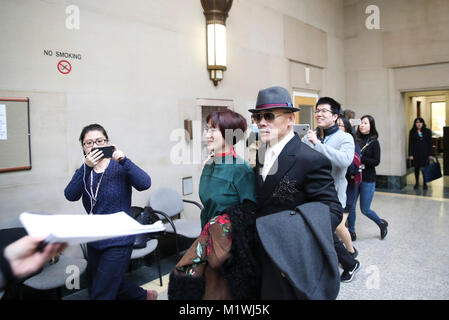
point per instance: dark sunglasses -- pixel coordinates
(268, 116)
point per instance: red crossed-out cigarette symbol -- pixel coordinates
(64, 67)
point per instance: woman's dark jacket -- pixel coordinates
(420, 147)
(370, 150)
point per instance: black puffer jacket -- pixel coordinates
(241, 270)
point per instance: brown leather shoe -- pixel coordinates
(151, 295)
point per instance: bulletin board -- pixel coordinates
(15, 144)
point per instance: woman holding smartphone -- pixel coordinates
(105, 186)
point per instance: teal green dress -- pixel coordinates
(225, 182)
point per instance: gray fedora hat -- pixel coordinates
(274, 98)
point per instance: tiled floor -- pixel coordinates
(411, 262)
(155, 285)
(438, 189)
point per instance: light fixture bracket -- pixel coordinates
(216, 11)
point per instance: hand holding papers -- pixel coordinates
(75, 229)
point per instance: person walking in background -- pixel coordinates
(252, 143)
(350, 115)
(354, 177)
(419, 148)
(105, 187)
(370, 156)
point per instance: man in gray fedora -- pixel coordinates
(298, 207)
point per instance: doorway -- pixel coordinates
(206, 107)
(306, 101)
(433, 107)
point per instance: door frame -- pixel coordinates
(303, 94)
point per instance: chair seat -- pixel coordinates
(185, 227)
(150, 247)
(54, 275)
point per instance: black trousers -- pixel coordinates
(346, 259)
(108, 268)
(417, 171)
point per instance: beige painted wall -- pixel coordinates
(142, 71)
(372, 87)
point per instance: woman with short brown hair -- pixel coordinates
(219, 264)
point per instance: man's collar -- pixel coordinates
(328, 131)
(277, 148)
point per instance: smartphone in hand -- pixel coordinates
(107, 151)
(301, 129)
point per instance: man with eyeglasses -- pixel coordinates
(295, 194)
(338, 147)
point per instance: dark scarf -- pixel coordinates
(327, 132)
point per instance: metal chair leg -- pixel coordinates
(177, 245)
(158, 265)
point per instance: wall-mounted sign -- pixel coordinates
(64, 67)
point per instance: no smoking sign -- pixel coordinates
(64, 67)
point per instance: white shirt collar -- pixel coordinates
(273, 152)
(278, 147)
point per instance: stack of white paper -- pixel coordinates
(75, 229)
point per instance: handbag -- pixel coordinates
(431, 171)
(354, 172)
(144, 216)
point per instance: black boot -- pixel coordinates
(383, 229)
